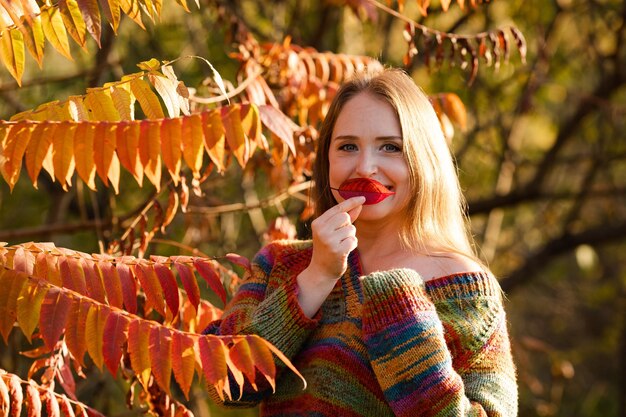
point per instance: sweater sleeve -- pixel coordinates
(266, 305)
(439, 349)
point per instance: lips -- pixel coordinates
(373, 191)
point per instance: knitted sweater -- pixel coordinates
(381, 345)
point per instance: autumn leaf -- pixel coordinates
(235, 136)
(94, 332)
(214, 137)
(76, 328)
(138, 342)
(192, 141)
(115, 335)
(183, 360)
(29, 306)
(54, 310)
(171, 145)
(160, 356)
(11, 283)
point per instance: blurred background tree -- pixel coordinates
(542, 158)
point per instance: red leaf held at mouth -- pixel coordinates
(373, 191)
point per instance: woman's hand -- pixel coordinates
(334, 237)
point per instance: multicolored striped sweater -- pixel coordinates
(381, 345)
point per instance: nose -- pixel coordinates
(366, 165)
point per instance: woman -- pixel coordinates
(386, 311)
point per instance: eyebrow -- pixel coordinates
(379, 138)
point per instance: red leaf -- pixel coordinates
(66, 406)
(183, 360)
(115, 334)
(373, 191)
(5, 401)
(52, 406)
(93, 279)
(263, 359)
(53, 316)
(129, 287)
(207, 271)
(168, 283)
(160, 356)
(187, 278)
(241, 357)
(72, 274)
(213, 361)
(239, 260)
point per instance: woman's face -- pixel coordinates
(367, 143)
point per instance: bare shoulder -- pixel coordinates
(445, 264)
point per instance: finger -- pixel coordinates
(354, 213)
(347, 205)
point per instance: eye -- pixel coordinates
(391, 148)
(348, 147)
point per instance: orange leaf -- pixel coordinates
(11, 283)
(113, 283)
(171, 147)
(129, 286)
(213, 359)
(33, 400)
(263, 359)
(46, 268)
(72, 274)
(192, 143)
(150, 149)
(111, 10)
(127, 144)
(38, 149)
(5, 401)
(52, 406)
(29, 306)
(183, 360)
(148, 101)
(279, 124)
(83, 151)
(16, 395)
(62, 155)
(104, 150)
(160, 356)
(151, 286)
(188, 279)
(138, 341)
(53, 316)
(214, 137)
(172, 209)
(76, 327)
(251, 124)
(168, 283)
(208, 271)
(94, 332)
(235, 136)
(115, 335)
(241, 357)
(14, 148)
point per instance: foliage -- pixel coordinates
(544, 179)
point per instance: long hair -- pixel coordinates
(435, 215)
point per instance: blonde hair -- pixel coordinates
(435, 217)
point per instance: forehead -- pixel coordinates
(366, 114)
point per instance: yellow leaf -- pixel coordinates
(170, 147)
(193, 143)
(167, 90)
(127, 145)
(62, 155)
(12, 53)
(83, 153)
(214, 137)
(147, 99)
(91, 16)
(131, 8)
(78, 111)
(94, 332)
(73, 20)
(39, 149)
(55, 31)
(124, 102)
(184, 4)
(235, 136)
(101, 105)
(111, 9)
(150, 149)
(34, 38)
(251, 123)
